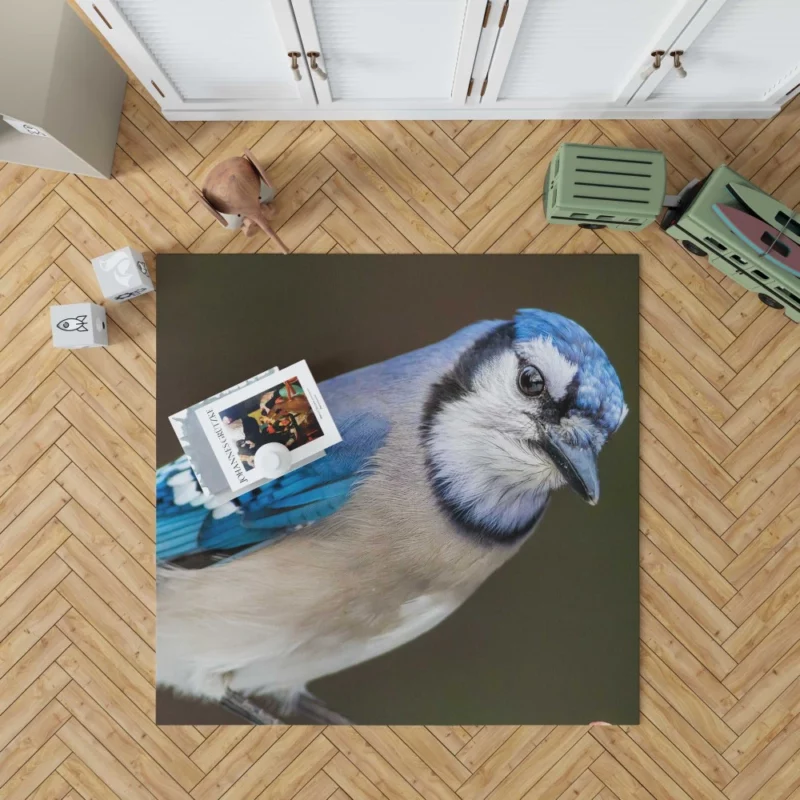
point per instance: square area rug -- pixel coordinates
(468, 553)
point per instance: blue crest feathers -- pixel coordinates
(598, 391)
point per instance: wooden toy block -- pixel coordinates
(122, 274)
(78, 325)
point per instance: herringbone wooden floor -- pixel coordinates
(720, 505)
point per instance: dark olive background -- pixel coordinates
(551, 637)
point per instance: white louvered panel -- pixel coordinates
(214, 50)
(389, 49)
(583, 50)
(748, 49)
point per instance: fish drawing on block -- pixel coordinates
(769, 209)
(77, 324)
(763, 238)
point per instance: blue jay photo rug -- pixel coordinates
(466, 554)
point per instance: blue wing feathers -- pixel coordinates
(268, 513)
(327, 491)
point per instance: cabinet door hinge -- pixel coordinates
(503, 15)
(469, 88)
(483, 88)
(487, 12)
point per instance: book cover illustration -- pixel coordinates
(283, 406)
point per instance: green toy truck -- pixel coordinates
(599, 187)
(701, 231)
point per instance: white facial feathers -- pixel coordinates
(557, 370)
(479, 443)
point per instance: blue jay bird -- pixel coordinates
(448, 458)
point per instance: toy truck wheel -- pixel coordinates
(592, 226)
(693, 248)
(769, 301)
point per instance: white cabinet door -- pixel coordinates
(393, 54)
(569, 54)
(734, 51)
(208, 54)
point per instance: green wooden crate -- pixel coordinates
(596, 187)
(699, 229)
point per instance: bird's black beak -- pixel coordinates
(578, 466)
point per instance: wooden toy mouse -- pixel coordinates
(238, 193)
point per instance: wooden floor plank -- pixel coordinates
(705, 143)
(234, 761)
(159, 131)
(475, 133)
(349, 236)
(31, 629)
(681, 445)
(769, 724)
(403, 199)
(692, 636)
(295, 151)
(165, 174)
(363, 216)
(686, 738)
(33, 664)
(691, 419)
(108, 515)
(765, 618)
(508, 752)
(674, 581)
(109, 624)
(37, 770)
(768, 507)
(31, 593)
(685, 159)
(668, 756)
(30, 230)
(25, 199)
(32, 737)
(308, 217)
(209, 135)
(120, 744)
(509, 172)
(12, 176)
(496, 218)
(437, 143)
(17, 280)
(98, 577)
(152, 197)
(102, 766)
(426, 168)
(494, 152)
(765, 691)
(683, 555)
(112, 445)
(38, 295)
(85, 636)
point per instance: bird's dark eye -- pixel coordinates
(530, 381)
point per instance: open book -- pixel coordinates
(221, 434)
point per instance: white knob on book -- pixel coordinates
(273, 460)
